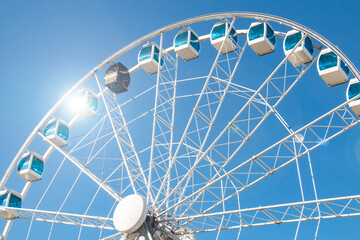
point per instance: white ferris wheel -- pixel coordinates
(202, 129)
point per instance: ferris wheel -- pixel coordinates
(202, 129)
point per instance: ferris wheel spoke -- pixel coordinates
(279, 155)
(84, 169)
(225, 185)
(154, 126)
(297, 139)
(206, 109)
(114, 236)
(253, 114)
(65, 218)
(276, 214)
(92, 155)
(130, 150)
(124, 141)
(172, 126)
(163, 123)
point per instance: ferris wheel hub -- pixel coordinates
(130, 213)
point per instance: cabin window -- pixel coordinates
(194, 42)
(181, 39)
(270, 35)
(63, 132)
(218, 31)
(145, 53)
(50, 129)
(92, 102)
(292, 40)
(344, 68)
(233, 35)
(327, 60)
(24, 163)
(256, 32)
(37, 166)
(309, 46)
(354, 90)
(14, 201)
(3, 198)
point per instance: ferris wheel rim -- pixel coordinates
(257, 16)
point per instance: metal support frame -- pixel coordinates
(130, 146)
(151, 164)
(66, 218)
(341, 112)
(78, 164)
(273, 162)
(117, 137)
(244, 138)
(251, 217)
(165, 119)
(278, 214)
(195, 109)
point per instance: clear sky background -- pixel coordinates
(47, 46)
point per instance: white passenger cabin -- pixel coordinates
(148, 58)
(9, 199)
(331, 68)
(85, 103)
(261, 38)
(217, 37)
(186, 44)
(57, 131)
(303, 53)
(30, 167)
(353, 90)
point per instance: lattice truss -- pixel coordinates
(207, 104)
(277, 214)
(220, 151)
(251, 217)
(118, 172)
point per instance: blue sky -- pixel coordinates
(46, 46)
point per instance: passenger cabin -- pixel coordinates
(85, 103)
(57, 131)
(303, 53)
(261, 38)
(353, 90)
(217, 37)
(148, 58)
(331, 68)
(30, 167)
(186, 44)
(117, 78)
(9, 199)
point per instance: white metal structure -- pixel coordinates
(172, 157)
